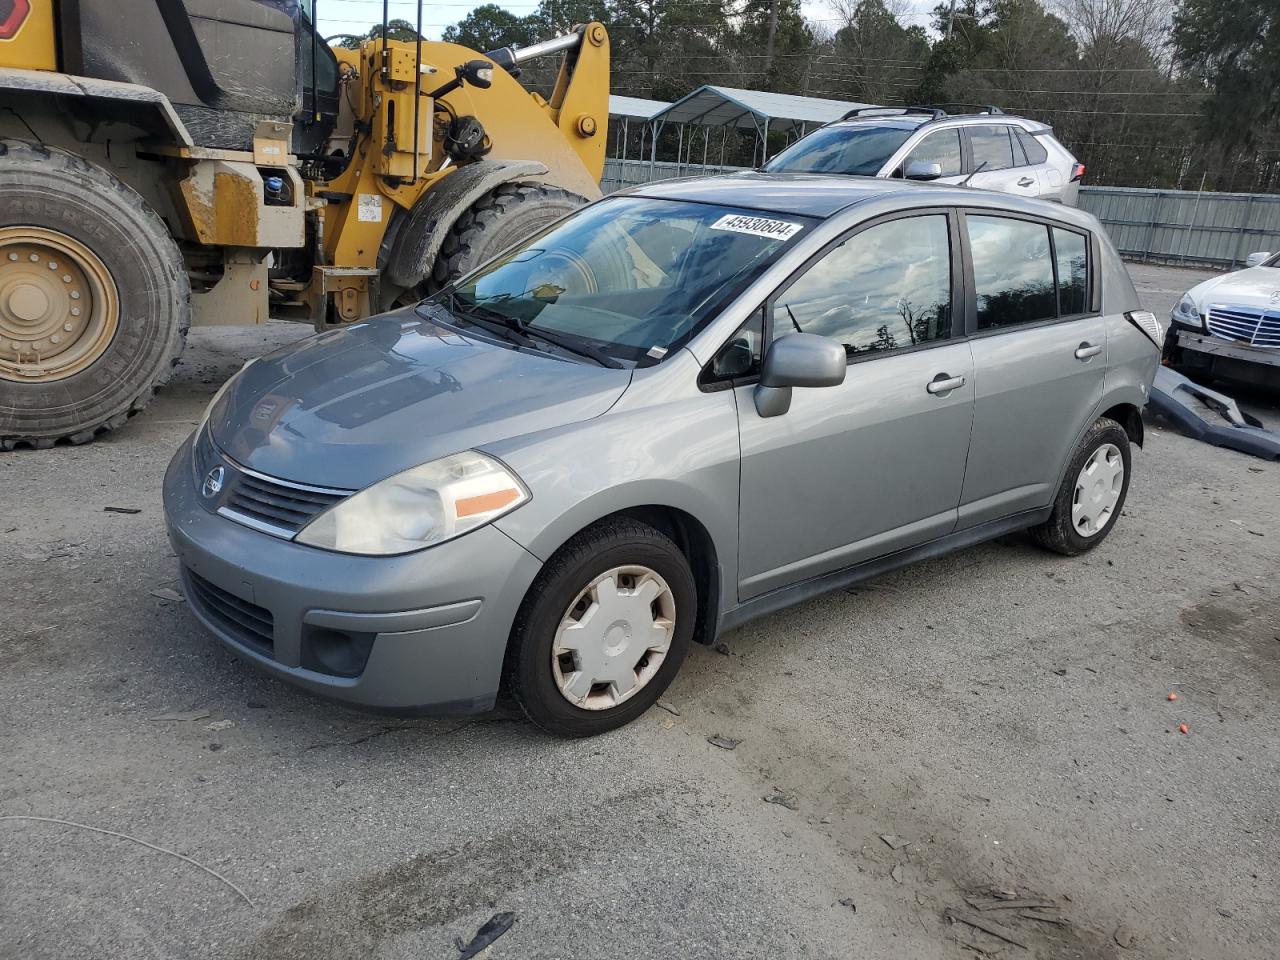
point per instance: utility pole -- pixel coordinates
(773, 30)
(951, 19)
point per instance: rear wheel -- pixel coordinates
(94, 298)
(603, 631)
(1092, 494)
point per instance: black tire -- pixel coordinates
(497, 220)
(612, 543)
(49, 188)
(1058, 533)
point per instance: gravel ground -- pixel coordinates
(1000, 715)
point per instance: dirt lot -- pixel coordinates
(1000, 716)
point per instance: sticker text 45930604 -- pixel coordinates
(758, 226)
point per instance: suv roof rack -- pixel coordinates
(933, 113)
(992, 109)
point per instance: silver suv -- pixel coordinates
(989, 150)
(680, 408)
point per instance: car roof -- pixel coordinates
(911, 121)
(896, 121)
(807, 194)
(821, 195)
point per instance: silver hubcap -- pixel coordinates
(1098, 490)
(613, 638)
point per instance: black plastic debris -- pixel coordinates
(1208, 415)
(493, 928)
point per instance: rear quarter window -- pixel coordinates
(1034, 149)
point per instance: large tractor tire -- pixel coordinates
(497, 220)
(94, 298)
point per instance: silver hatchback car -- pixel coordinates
(678, 409)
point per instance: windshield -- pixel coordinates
(859, 149)
(630, 277)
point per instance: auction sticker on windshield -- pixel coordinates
(758, 226)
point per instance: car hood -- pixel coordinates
(347, 408)
(1254, 287)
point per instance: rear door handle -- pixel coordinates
(1025, 182)
(1087, 351)
(944, 384)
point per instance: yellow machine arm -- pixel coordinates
(383, 83)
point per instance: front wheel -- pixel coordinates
(603, 630)
(94, 298)
(1092, 493)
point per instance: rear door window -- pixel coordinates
(992, 148)
(941, 147)
(1012, 271)
(1026, 272)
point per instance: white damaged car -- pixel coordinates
(1230, 325)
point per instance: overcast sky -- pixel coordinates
(356, 16)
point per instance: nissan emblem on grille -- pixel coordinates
(213, 482)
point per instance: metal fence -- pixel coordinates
(1168, 226)
(627, 173)
(1185, 226)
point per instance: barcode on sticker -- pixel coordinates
(758, 226)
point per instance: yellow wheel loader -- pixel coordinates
(169, 162)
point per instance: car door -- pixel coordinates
(1039, 355)
(997, 161)
(1049, 179)
(876, 464)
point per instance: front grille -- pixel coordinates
(1246, 326)
(247, 622)
(275, 506)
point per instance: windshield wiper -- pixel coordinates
(489, 319)
(527, 333)
(976, 170)
(566, 343)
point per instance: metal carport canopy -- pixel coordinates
(753, 109)
(635, 108)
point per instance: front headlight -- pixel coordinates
(1186, 313)
(419, 507)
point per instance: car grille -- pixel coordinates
(1247, 326)
(247, 622)
(275, 506)
(278, 507)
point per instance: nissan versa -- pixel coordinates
(678, 409)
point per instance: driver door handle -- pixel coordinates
(944, 384)
(1025, 182)
(1087, 351)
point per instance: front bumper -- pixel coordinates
(433, 624)
(1214, 347)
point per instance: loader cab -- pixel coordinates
(223, 64)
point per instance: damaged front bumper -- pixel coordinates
(1215, 347)
(1210, 416)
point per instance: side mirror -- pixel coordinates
(920, 170)
(797, 360)
(1257, 259)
